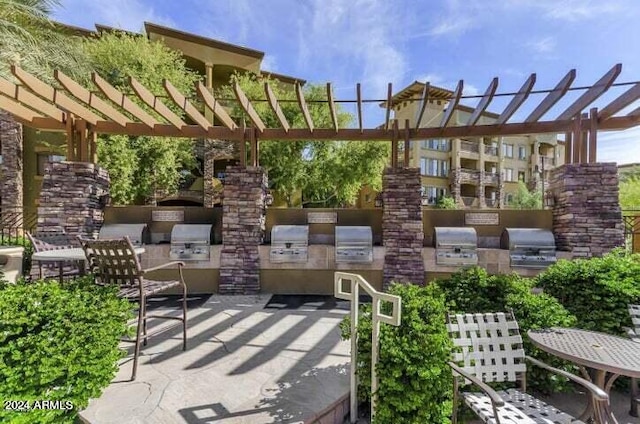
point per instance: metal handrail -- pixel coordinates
(469, 146)
(376, 318)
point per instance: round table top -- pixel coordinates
(72, 254)
(591, 349)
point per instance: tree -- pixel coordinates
(140, 166)
(525, 199)
(446, 202)
(630, 193)
(329, 174)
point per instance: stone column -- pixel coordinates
(587, 219)
(11, 149)
(243, 227)
(214, 150)
(402, 232)
(73, 197)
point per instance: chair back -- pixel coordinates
(113, 262)
(634, 311)
(45, 241)
(488, 346)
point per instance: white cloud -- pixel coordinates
(270, 63)
(620, 146)
(452, 26)
(543, 46)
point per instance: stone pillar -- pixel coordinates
(480, 190)
(402, 232)
(11, 149)
(243, 227)
(214, 149)
(455, 186)
(73, 197)
(587, 219)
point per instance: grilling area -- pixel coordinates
(302, 248)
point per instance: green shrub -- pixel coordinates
(596, 290)
(414, 381)
(58, 343)
(474, 291)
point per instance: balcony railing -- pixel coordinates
(491, 178)
(491, 203)
(468, 201)
(467, 175)
(491, 150)
(469, 146)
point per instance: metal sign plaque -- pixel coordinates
(322, 217)
(167, 216)
(482, 218)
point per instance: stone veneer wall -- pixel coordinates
(243, 227)
(402, 232)
(587, 219)
(11, 149)
(71, 198)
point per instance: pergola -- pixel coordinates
(84, 113)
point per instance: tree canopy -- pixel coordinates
(630, 192)
(526, 199)
(329, 174)
(139, 166)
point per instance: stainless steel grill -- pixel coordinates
(456, 246)
(529, 247)
(289, 243)
(190, 242)
(354, 244)
(137, 233)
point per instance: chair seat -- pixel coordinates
(519, 408)
(151, 287)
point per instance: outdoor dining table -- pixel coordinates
(606, 356)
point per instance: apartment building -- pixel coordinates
(476, 172)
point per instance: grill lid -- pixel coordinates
(298, 234)
(191, 233)
(135, 232)
(452, 237)
(354, 235)
(527, 239)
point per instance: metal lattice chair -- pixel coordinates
(634, 334)
(488, 349)
(115, 262)
(46, 241)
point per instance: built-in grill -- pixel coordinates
(456, 246)
(190, 242)
(289, 243)
(529, 247)
(354, 244)
(138, 233)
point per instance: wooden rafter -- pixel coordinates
(156, 104)
(123, 101)
(181, 101)
(595, 91)
(453, 103)
(18, 110)
(303, 106)
(246, 105)
(389, 106)
(517, 100)
(593, 134)
(275, 106)
(212, 103)
(423, 104)
(359, 105)
(484, 102)
(622, 101)
(332, 106)
(25, 97)
(407, 143)
(90, 99)
(55, 96)
(552, 98)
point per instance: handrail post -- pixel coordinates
(375, 341)
(355, 306)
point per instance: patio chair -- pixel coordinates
(634, 334)
(46, 241)
(115, 262)
(488, 349)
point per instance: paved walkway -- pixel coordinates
(244, 364)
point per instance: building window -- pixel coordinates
(508, 174)
(434, 167)
(436, 144)
(522, 152)
(45, 158)
(507, 150)
(521, 176)
(423, 166)
(430, 195)
(0, 159)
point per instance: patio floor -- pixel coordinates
(244, 364)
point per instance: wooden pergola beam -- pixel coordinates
(246, 105)
(553, 97)
(18, 110)
(303, 106)
(156, 104)
(453, 103)
(359, 105)
(113, 94)
(55, 96)
(90, 99)
(423, 104)
(21, 95)
(181, 101)
(332, 106)
(517, 100)
(212, 103)
(484, 102)
(620, 102)
(389, 106)
(592, 94)
(275, 106)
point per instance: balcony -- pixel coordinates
(491, 150)
(491, 178)
(469, 146)
(468, 176)
(491, 203)
(468, 201)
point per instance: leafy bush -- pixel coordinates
(596, 290)
(414, 381)
(58, 343)
(474, 291)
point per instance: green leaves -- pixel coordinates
(525, 199)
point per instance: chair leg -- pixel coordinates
(454, 412)
(184, 316)
(635, 398)
(136, 352)
(143, 305)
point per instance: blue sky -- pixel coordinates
(379, 41)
